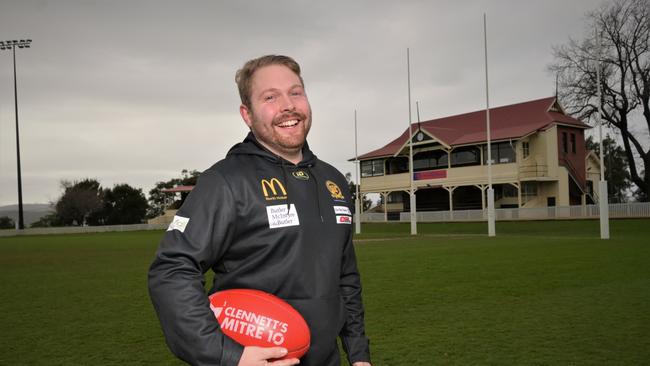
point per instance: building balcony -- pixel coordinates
(458, 176)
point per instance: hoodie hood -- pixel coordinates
(250, 146)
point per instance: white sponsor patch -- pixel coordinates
(343, 219)
(179, 223)
(279, 217)
(342, 210)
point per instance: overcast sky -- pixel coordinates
(135, 91)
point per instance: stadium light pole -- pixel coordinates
(11, 45)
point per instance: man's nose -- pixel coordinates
(287, 103)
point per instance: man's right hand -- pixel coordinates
(260, 356)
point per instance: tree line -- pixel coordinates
(86, 203)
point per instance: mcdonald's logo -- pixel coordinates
(277, 191)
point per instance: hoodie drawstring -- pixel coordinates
(286, 184)
(317, 192)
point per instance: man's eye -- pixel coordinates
(268, 97)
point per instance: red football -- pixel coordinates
(256, 318)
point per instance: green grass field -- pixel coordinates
(540, 293)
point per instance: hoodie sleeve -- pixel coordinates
(201, 232)
(353, 335)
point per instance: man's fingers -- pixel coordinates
(273, 352)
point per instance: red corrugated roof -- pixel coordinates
(507, 122)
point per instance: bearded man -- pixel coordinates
(270, 216)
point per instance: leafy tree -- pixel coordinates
(616, 169)
(640, 196)
(623, 26)
(124, 205)
(80, 203)
(7, 222)
(158, 199)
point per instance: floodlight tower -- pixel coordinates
(11, 45)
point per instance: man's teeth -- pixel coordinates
(289, 123)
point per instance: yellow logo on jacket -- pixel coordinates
(273, 189)
(335, 191)
(300, 174)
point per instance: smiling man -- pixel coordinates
(270, 216)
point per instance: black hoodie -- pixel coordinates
(261, 222)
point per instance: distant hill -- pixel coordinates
(32, 212)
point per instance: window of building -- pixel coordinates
(509, 191)
(528, 190)
(573, 143)
(464, 156)
(372, 168)
(397, 165)
(429, 160)
(525, 146)
(502, 153)
(504, 191)
(396, 197)
(565, 143)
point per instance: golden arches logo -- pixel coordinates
(275, 186)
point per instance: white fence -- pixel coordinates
(616, 210)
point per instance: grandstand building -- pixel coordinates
(538, 154)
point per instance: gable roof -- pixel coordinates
(507, 122)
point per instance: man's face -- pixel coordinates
(280, 115)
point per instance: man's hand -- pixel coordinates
(260, 356)
(361, 364)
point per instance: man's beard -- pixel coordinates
(274, 140)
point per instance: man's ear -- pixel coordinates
(246, 115)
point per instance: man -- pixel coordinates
(270, 216)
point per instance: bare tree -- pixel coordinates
(623, 27)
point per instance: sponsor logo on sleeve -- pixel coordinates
(342, 210)
(279, 216)
(343, 219)
(179, 223)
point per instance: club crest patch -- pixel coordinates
(334, 189)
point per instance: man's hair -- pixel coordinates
(244, 76)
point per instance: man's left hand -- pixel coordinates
(361, 364)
